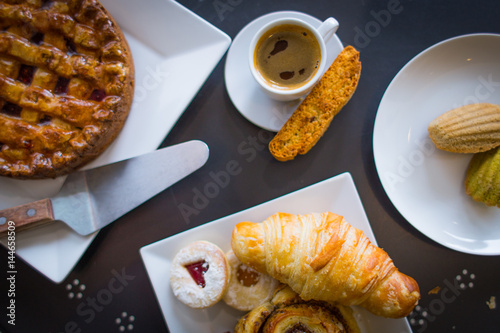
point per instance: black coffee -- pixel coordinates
(287, 56)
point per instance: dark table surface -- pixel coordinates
(43, 306)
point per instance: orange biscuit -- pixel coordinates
(313, 116)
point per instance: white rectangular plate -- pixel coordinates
(174, 52)
(337, 194)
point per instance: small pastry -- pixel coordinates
(322, 257)
(247, 287)
(200, 273)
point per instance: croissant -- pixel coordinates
(322, 257)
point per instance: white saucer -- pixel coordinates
(245, 93)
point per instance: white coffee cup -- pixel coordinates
(322, 34)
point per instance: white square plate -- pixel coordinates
(337, 194)
(174, 52)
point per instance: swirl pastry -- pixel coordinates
(247, 287)
(322, 257)
(482, 182)
(287, 312)
(199, 275)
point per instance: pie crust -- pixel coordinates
(66, 85)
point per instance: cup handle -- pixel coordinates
(328, 28)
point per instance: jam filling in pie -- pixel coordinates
(66, 85)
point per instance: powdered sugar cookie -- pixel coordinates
(200, 274)
(247, 287)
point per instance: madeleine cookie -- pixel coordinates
(471, 128)
(247, 287)
(200, 273)
(482, 182)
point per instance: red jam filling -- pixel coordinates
(97, 95)
(37, 38)
(45, 120)
(197, 271)
(61, 86)
(12, 110)
(26, 74)
(71, 47)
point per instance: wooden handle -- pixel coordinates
(26, 216)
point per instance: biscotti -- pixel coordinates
(482, 182)
(313, 116)
(471, 128)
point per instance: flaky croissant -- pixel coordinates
(324, 258)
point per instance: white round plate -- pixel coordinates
(245, 93)
(424, 183)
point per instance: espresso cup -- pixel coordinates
(288, 56)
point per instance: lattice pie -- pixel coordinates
(66, 85)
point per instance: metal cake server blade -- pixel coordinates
(91, 199)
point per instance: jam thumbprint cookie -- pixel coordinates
(247, 287)
(200, 274)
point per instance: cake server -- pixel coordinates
(91, 199)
